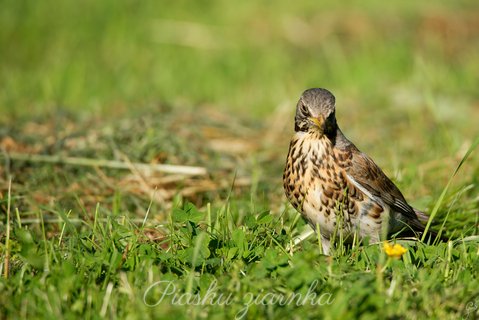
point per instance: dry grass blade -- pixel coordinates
(144, 167)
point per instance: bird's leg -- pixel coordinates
(326, 244)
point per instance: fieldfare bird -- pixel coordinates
(336, 187)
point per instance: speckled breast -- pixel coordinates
(317, 186)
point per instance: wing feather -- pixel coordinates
(366, 175)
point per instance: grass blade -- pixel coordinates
(446, 188)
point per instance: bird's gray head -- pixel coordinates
(315, 111)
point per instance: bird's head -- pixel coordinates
(315, 111)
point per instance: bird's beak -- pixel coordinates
(319, 121)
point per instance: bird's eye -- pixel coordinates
(304, 109)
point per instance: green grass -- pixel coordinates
(214, 85)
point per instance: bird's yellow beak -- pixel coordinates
(319, 121)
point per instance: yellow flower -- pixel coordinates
(394, 251)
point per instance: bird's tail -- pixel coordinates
(421, 216)
(424, 218)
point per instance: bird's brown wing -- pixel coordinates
(367, 175)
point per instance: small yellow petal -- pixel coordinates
(394, 251)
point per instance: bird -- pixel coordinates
(336, 187)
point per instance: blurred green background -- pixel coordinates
(249, 56)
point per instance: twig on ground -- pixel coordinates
(144, 167)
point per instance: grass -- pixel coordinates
(214, 85)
